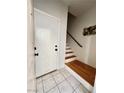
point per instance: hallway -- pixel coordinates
(59, 40)
(60, 81)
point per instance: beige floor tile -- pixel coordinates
(74, 82)
(65, 87)
(82, 89)
(48, 84)
(59, 78)
(54, 90)
(46, 77)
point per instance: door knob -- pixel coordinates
(36, 54)
(56, 49)
(35, 48)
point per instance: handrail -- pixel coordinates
(74, 39)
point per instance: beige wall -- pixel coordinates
(87, 53)
(60, 10)
(92, 51)
(31, 81)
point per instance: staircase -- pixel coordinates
(83, 70)
(69, 55)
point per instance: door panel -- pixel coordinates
(46, 39)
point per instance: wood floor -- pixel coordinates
(85, 71)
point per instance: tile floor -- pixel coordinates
(60, 81)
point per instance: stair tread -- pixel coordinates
(70, 57)
(69, 54)
(85, 71)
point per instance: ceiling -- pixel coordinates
(77, 7)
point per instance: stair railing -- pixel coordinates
(74, 40)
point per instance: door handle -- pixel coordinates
(35, 48)
(55, 45)
(56, 49)
(36, 54)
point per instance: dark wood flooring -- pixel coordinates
(85, 71)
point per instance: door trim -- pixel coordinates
(43, 12)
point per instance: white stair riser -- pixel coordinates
(70, 59)
(70, 54)
(69, 50)
(67, 47)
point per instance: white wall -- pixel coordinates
(87, 53)
(92, 51)
(58, 9)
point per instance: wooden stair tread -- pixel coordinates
(85, 71)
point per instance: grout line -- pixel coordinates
(37, 83)
(68, 81)
(50, 75)
(65, 79)
(47, 79)
(70, 85)
(36, 86)
(79, 86)
(76, 88)
(51, 88)
(43, 86)
(56, 84)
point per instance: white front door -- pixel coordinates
(46, 42)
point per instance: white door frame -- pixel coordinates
(43, 12)
(31, 75)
